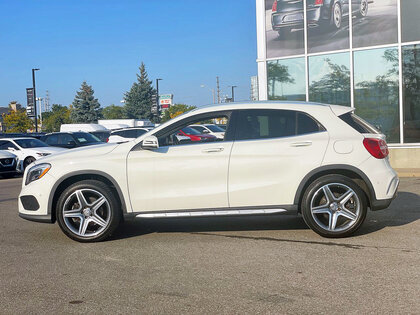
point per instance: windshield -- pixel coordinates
(30, 143)
(215, 128)
(190, 131)
(84, 137)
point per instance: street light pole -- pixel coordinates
(157, 91)
(233, 93)
(33, 85)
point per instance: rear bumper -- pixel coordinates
(376, 204)
(294, 19)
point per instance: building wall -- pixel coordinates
(371, 62)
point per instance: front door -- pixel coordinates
(179, 175)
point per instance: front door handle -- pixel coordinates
(301, 144)
(212, 150)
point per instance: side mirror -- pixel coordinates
(206, 131)
(71, 144)
(150, 143)
(11, 149)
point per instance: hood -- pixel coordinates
(6, 155)
(79, 153)
(48, 149)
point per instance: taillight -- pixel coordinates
(376, 147)
(319, 2)
(274, 8)
(107, 139)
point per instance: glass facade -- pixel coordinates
(362, 62)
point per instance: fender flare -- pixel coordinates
(86, 172)
(330, 169)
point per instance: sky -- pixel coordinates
(186, 43)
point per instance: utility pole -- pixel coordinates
(233, 93)
(33, 85)
(218, 90)
(47, 101)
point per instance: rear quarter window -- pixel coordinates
(358, 123)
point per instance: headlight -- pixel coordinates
(43, 154)
(36, 172)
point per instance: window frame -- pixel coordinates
(237, 113)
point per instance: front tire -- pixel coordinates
(363, 10)
(88, 211)
(28, 161)
(334, 206)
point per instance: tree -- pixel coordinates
(59, 114)
(113, 112)
(278, 73)
(17, 121)
(138, 101)
(176, 110)
(86, 108)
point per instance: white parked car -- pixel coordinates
(210, 129)
(8, 164)
(126, 134)
(276, 157)
(27, 149)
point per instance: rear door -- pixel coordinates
(272, 152)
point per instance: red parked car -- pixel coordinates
(194, 135)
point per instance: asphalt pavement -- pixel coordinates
(235, 265)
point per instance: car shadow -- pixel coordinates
(404, 209)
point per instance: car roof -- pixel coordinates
(19, 138)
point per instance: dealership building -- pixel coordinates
(311, 50)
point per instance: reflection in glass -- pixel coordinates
(374, 22)
(411, 93)
(284, 28)
(410, 20)
(286, 79)
(329, 79)
(328, 25)
(376, 95)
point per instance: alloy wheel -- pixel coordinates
(337, 15)
(363, 7)
(86, 212)
(335, 207)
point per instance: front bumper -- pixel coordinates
(37, 218)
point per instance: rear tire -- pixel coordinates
(88, 211)
(334, 206)
(364, 8)
(336, 16)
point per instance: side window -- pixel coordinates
(118, 133)
(131, 133)
(198, 128)
(51, 140)
(65, 139)
(140, 132)
(3, 145)
(273, 123)
(182, 133)
(9, 144)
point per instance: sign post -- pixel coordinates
(30, 102)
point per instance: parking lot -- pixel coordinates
(272, 264)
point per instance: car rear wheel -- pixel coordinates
(364, 6)
(334, 206)
(88, 211)
(336, 16)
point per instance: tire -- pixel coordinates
(28, 161)
(364, 8)
(281, 33)
(339, 217)
(82, 217)
(336, 16)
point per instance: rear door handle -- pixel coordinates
(301, 144)
(212, 150)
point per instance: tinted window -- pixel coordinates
(265, 124)
(215, 128)
(190, 131)
(65, 139)
(140, 132)
(4, 145)
(198, 128)
(118, 133)
(30, 143)
(357, 123)
(51, 140)
(84, 137)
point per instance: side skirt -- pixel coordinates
(212, 212)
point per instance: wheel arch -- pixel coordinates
(77, 176)
(346, 170)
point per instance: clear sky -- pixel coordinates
(186, 43)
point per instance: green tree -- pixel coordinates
(86, 108)
(176, 110)
(59, 114)
(113, 112)
(278, 73)
(17, 121)
(138, 101)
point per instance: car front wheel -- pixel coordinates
(334, 206)
(337, 16)
(88, 211)
(364, 5)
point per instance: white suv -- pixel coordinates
(319, 160)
